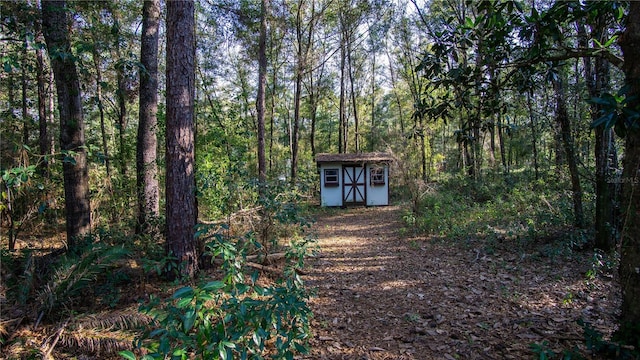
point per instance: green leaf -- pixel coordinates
(180, 353)
(184, 292)
(611, 41)
(183, 302)
(213, 285)
(127, 355)
(189, 320)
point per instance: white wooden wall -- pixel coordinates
(376, 195)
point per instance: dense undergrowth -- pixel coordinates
(508, 207)
(85, 300)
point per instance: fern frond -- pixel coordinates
(103, 333)
(74, 272)
(97, 341)
(121, 320)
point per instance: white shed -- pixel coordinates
(354, 179)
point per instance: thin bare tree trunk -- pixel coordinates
(103, 130)
(562, 117)
(43, 137)
(300, 65)
(342, 127)
(261, 101)
(24, 83)
(534, 134)
(354, 104)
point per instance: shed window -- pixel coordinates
(330, 177)
(377, 176)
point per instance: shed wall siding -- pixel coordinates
(331, 196)
(377, 195)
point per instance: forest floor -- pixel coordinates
(380, 295)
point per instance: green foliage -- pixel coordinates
(231, 318)
(75, 272)
(616, 112)
(594, 342)
(53, 283)
(21, 198)
(506, 207)
(238, 316)
(219, 320)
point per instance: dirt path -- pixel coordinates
(384, 296)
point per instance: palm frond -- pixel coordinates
(102, 333)
(97, 341)
(120, 320)
(74, 272)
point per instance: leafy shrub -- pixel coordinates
(461, 207)
(219, 320)
(236, 317)
(230, 318)
(594, 342)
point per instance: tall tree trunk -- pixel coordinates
(597, 80)
(56, 22)
(103, 130)
(396, 93)
(147, 140)
(26, 129)
(374, 130)
(314, 115)
(534, 135)
(122, 124)
(423, 149)
(181, 210)
(354, 103)
(272, 105)
(562, 118)
(605, 237)
(50, 114)
(261, 100)
(121, 94)
(299, 69)
(630, 250)
(342, 127)
(43, 136)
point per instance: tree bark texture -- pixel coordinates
(300, 67)
(103, 130)
(56, 22)
(562, 117)
(181, 211)
(342, 127)
(43, 135)
(597, 81)
(146, 153)
(261, 100)
(630, 251)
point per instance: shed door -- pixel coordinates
(353, 188)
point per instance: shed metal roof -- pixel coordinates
(354, 158)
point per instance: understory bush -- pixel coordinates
(502, 207)
(594, 343)
(239, 315)
(52, 284)
(222, 320)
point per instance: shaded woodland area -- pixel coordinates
(158, 177)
